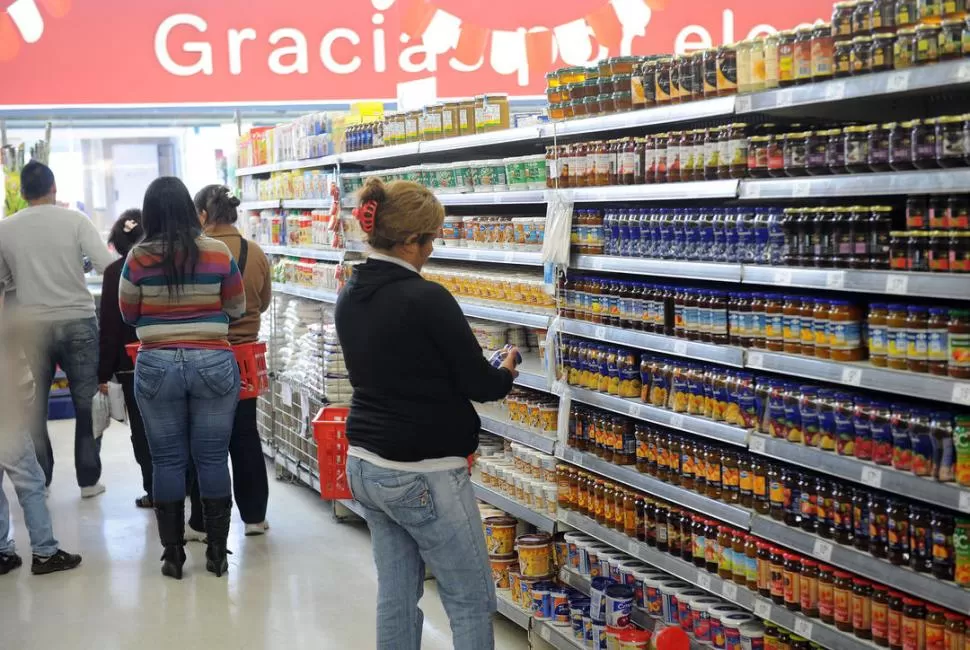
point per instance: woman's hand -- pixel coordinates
(509, 362)
(103, 388)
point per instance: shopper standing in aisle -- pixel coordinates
(19, 462)
(415, 367)
(180, 289)
(115, 335)
(217, 211)
(41, 252)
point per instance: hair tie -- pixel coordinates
(130, 225)
(365, 215)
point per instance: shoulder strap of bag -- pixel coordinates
(243, 255)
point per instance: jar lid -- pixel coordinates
(950, 119)
(907, 31)
(844, 5)
(886, 37)
(859, 40)
(927, 28)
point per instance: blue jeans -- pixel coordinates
(426, 519)
(19, 462)
(73, 345)
(188, 400)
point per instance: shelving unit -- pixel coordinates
(544, 443)
(301, 292)
(540, 520)
(506, 315)
(659, 192)
(485, 255)
(673, 269)
(932, 181)
(321, 254)
(890, 283)
(511, 611)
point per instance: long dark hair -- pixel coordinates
(171, 227)
(219, 204)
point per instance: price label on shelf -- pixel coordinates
(633, 547)
(729, 590)
(762, 609)
(742, 104)
(803, 628)
(633, 410)
(835, 280)
(963, 74)
(852, 376)
(558, 387)
(544, 633)
(703, 580)
(755, 360)
(897, 284)
(784, 98)
(597, 264)
(782, 276)
(871, 477)
(964, 503)
(599, 332)
(822, 550)
(834, 91)
(961, 394)
(897, 82)
(757, 444)
(751, 190)
(680, 347)
(677, 421)
(801, 189)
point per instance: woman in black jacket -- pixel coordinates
(416, 368)
(115, 335)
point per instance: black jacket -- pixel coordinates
(415, 366)
(115, 334)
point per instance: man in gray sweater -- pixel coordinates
(41, 253)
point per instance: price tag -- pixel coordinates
(784, 98)
(677, 421)
(835, 91)
(834, 280)
(680, 347)
(597, 264)
(871, 477)
(600, 332)
(757, 444)
(633, 410)
(633, 547)
(963, 74)
(782, 276)
(558, 387)
(964, 505)
(286, 395)
(762, 609)
(742, 104)
(897, 82)
(729, 590)
(508, 257)
(751, 190)
(803, 628)
(822, 550)
(852, 376)
(544, 633)
(800, 189)
(703, 580)
(897, 283)
(755, 360)
(961, 394)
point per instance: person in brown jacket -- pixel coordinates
(217, 211)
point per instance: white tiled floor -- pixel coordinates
(309, 583)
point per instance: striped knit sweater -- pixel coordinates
(198, 315)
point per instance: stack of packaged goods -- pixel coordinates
(336, 379)
(305, 367)
(268, 331)
(297, 319)
(519, 289)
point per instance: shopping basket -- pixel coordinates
(330, 432)
(251, 357)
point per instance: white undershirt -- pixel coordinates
(445, 464)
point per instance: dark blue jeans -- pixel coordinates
(72, 345)
(188, 400)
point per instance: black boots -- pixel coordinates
(171, 531)
(216, 513)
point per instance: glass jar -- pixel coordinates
(709, 61)
(857, 148)
(951, 39)
(822, 48)
(901, 146)
(758, 149)
(951, 146)
(860, 59)
(727, 70)
(862, 17)
(923, 136)
(878, 155)
(802, 57)
(842, 14)
(904, 50)
(795, 153)
(842, 58)
(927, 44)
(882, 16)
(883, 52)
(960, 252)
(907, 13)
(958, 362)
(786, 58)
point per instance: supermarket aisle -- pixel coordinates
(309, 583)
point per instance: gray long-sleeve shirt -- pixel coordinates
(41, 251)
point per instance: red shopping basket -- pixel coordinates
(330, 432)
(251, 357)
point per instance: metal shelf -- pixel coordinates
(670, 114)
(513, 612)
(380, 154)
(930, 181)
(928, 285)
(518, 197)
(923, 585)
(863, 375)
(812, 629)
(540, 520)
(739, 517)
(483, 255)
(724, 354)
(310, 204)
(948, 495)
(325, 161)
(309, 294)
(658, 192)
(529, 378)
(871, 86)
(634, 408)
(665, 268)
(509, 431)
(503, 315)
(272, 204)
(525, 134)
(323, 254)
(559, 637)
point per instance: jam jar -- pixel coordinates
(904, 50)
(951, 40)
(907, 13)
(796, 153)
(882, 16)
(951, 147)
(927, 44)
(882, 52)
(860, 59)
(879, 147)
(923, 136)
(862, 17)
(842, 14)
(857, 148)
(842, 58)
(901, 146)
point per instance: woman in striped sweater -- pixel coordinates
(180, 289)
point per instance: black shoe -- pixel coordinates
(171, 531)
(216, 513)
(9, 562)
(60, 561)
(144, 502)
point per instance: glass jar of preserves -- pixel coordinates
(845, 341)
(862, 608)
(758, 146)
(882, 16)
(883, 52)
(834, 150)
(795, 153)
(822, 44)
(938, 251)
(842, 58)
(727, 70)
(786, 58)
(901, 146)
(951, 147)
(923, 135)
(862, 17)
(842, 592)
(879, 147)
(791, 575)
(927, 44)
(826, 594)
(880, 222)
(878, 334)
(907, 13)
(930, 11)
(958, 329)
(914, 623)
(904, 50)
(860, 59)
(857, 148)
(951, 39)
(802, 55)
(842, 14)
(959, 252)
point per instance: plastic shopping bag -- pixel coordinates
(116, 402)
(100, 414)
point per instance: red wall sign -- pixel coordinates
(125, 52)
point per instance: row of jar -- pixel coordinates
(310, 274)
(851, 424)
(493, 233)
(862, 17)
(851, 603)
(532, 409)
(525, 290)
(498, 175)
(495, 336)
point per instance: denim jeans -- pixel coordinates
(426, 519)
(188, 399)
(19, 462)
(73, 345)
